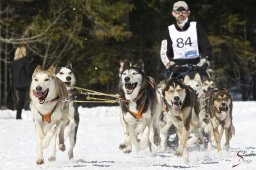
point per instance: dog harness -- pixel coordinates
(47, 117)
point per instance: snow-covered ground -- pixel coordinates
(100, 133)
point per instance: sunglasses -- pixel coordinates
(181, 12)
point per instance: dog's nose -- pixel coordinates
(176, 98)
(126, 79)
(68, 78)
(223, 104)
(38, 88)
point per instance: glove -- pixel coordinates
(203, 63)
(169, 65)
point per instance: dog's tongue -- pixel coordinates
(223, 115)
(38, 93)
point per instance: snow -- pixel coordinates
(99, 136)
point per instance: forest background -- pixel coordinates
(94, 35)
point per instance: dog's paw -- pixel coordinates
(62, 147)
(39, 161)
(226, 147)
(157, 140)
(122, 146)
(178, 153)
(127, 151)
(70, 155)
(52, 158)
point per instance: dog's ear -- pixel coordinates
(141, 65)
(198, 77)
(57, 70)
(126, 64)
(121, 68)
(51, 69)
(69, 65)
(38, 68)
(186, 79)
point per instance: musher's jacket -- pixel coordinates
(186, 45)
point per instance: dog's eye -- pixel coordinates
(46, 79)
(134, 73)
(170, 91)
(36, 79)
(61, 73)
(124, 74)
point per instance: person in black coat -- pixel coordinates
(22, 76)
(185, 42)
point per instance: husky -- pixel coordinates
(195, 83)
(219, 105)
(49, 112)
(180, 110)
(66, 75)
(140, 107)
(208, 84)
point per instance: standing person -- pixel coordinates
(22, 73)
(184, 42)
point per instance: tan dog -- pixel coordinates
(219, 106)
(180, 102)
(46, 93)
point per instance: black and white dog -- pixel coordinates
(66, 75)
(140, 105)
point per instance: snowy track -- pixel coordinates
(100, 133)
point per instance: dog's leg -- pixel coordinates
(69, 128)
(156, 120)
(62, 146)
(65, 110)
(53, 153)
(71, 125)
(228, 135)
(126, 145)
(183, 141)
(195, 136)
(144, 142)
(133, 137)
(47, 138)
(217, 138)
(39, 135)
(72, 140)
(56, 132)
(164, 133)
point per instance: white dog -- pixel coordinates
(49, 112)
(66, 75)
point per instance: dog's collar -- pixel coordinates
(55, 99)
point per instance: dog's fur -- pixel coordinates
(219, 105)
(181, 111)
(140, 105)
(66, 75)
(46, 93)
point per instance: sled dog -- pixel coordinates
(140, 107)
(66, 75)
(49, 112)
(219, 105)
(180, 103)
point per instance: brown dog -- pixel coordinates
(219, 106)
